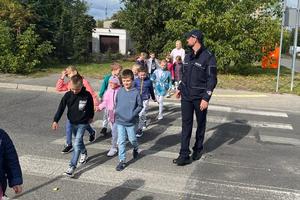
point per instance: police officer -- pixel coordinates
(199, 78)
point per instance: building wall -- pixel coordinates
(124, 41)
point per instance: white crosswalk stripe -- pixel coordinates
(155, 181)
(233, 110)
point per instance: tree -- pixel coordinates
(145, 21)
(235, 30)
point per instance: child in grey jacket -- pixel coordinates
(128, 106)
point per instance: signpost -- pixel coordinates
(290, 18)
(295, 45)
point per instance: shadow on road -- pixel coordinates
(122, 191)
(229, 133)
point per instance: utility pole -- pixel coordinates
(106, 11)
(295, 45)
(281, 38)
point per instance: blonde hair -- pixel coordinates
(115, 66)
(136, 66)
(179, 42)
(72, 68)
(143, 54)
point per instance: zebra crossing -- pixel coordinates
(160, 176)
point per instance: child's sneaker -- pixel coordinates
(139, 133)
(121, 166)
(92, 137)
(70, 171)
(83, 158)
(135, 153)
(67, 149)
(160, 117)
(112, 152)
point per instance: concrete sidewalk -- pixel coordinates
(233, 98)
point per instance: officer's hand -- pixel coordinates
(178, 94)
(17, 189)
(203, 105)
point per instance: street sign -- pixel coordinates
(290, 17)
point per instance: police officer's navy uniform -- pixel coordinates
(199, 78)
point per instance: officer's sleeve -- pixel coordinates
(212, 77)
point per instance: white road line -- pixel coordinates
(155, 181)
(234, 110)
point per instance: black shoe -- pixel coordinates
(181, 161)
(135, 153)
(121, 166)
(139, 133)
(103, 131)
(197, 155)
(92, 137)
(67, 149)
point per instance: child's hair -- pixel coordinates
(152, 53)
(115, 66)
(72, 68)
(77, 81)
(127, 73)
(143, 54)
(168, 58)
(143, 69)
(136, 66)
(178, 58)
(165, 61)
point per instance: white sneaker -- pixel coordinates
(70, 171)
(112, 152)
(83, 158)
(160, 117)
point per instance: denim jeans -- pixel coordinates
(123, 133)
(78, 146)
(69, 131)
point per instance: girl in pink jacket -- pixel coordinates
(62, 86)
(109, 103)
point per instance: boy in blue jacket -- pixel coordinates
(145, 87)
(10, 170)
(128, 107)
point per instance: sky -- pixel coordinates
(97, 7)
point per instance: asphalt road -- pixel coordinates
(250, 154)
(287, 62)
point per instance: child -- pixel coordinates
(142, 59)
(116, 68)
(152, 63)
(61, 85)
(162, 81)
(177, 66)
(144, 85)
(171, 69)
(128, 107)
(10, 170)
(135, 69)
(109, 103)
(80, 113)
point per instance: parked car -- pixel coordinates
(297, 50)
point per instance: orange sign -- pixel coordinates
(271, 60)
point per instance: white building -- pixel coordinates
(117, 40)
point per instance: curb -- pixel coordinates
(28, 87)
(53, 90)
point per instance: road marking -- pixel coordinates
(155, 181)
(233, 110)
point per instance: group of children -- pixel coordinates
(124, 99)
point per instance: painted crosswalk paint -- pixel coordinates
(155, 181)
